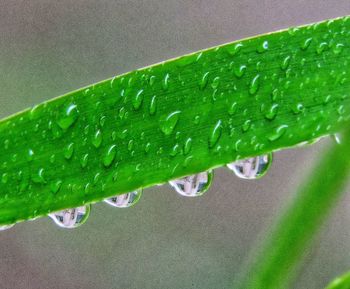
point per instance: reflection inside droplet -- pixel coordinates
(193, 186)
(71, 218)
(251, 168)
(125, 200)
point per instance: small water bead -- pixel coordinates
(153, 105)
(263, 47)
(97, 139)
(204, 81)
(165, 83)
(68, 151)
(56, 186)
(193, 186)
(110, 156)
(337, 138)
(6, 227)
(167, 124)
(71, 218)
(251, 168)
(84, 160)
(125, 200)
(254, 84)
(69, 116)
(138, 99)
(215, 134)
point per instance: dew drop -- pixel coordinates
(68, 151)
(204, 81)
(286, 62)
(187, 146)
(254, 84)
(167, 124)
(110, 156)
(39, 177)
(69, 116)
(215, 134)
(56, 186)
(305, 45)
(263, 47)
(234, 49)
(278, 133)
(239, 70)
(30, 155)
(97, 139)
(272, 112)
(165, 83)
(71, 218)
(251, 168)
(153, 105)
(138, 99)
(125, 200)
(84, 160)
(193, 186)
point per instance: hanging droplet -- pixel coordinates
(6, 227)
(125, 200)
(251, 168)
(193, 186)
(71, 218)
(110, 156)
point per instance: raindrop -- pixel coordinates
(69, 150)
(110, 156)
(254, 85)
(97, 139)
(125, 200)
(215, 134)
(137, 100)
(251, 168)
(193, 186)
(71, 218)
(153, 106)
(168, 123)
(69, 117)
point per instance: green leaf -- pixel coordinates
(342, 282)
(273, 264)
(174, 119)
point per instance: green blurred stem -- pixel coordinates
(342, 282)
(274, 264)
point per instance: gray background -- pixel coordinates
(48, 48)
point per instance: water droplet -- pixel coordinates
(68, 151)
(71, 218)
(39, 177)
(30, 155)
(239, 70)
(138, 99)
(246, 125)
(187, 146)
(165, 83)
(193, 186)
(254, 84)
(215, 134)
(110, 156)
(234, 49)
(125, 200)
(272, 112)
(4, 178)
(322, 47)
(278, 133)
(69, 116)
(305, 45)
(337, 49)
(232, 109)
(215, 83)
(204, 81)
(263, 47)
(84, 160)
(97, 139)
(251, 168)
(286, 62)
(168, 123)
(56, 186)
(153, 105)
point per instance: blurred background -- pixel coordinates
(48, 48)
